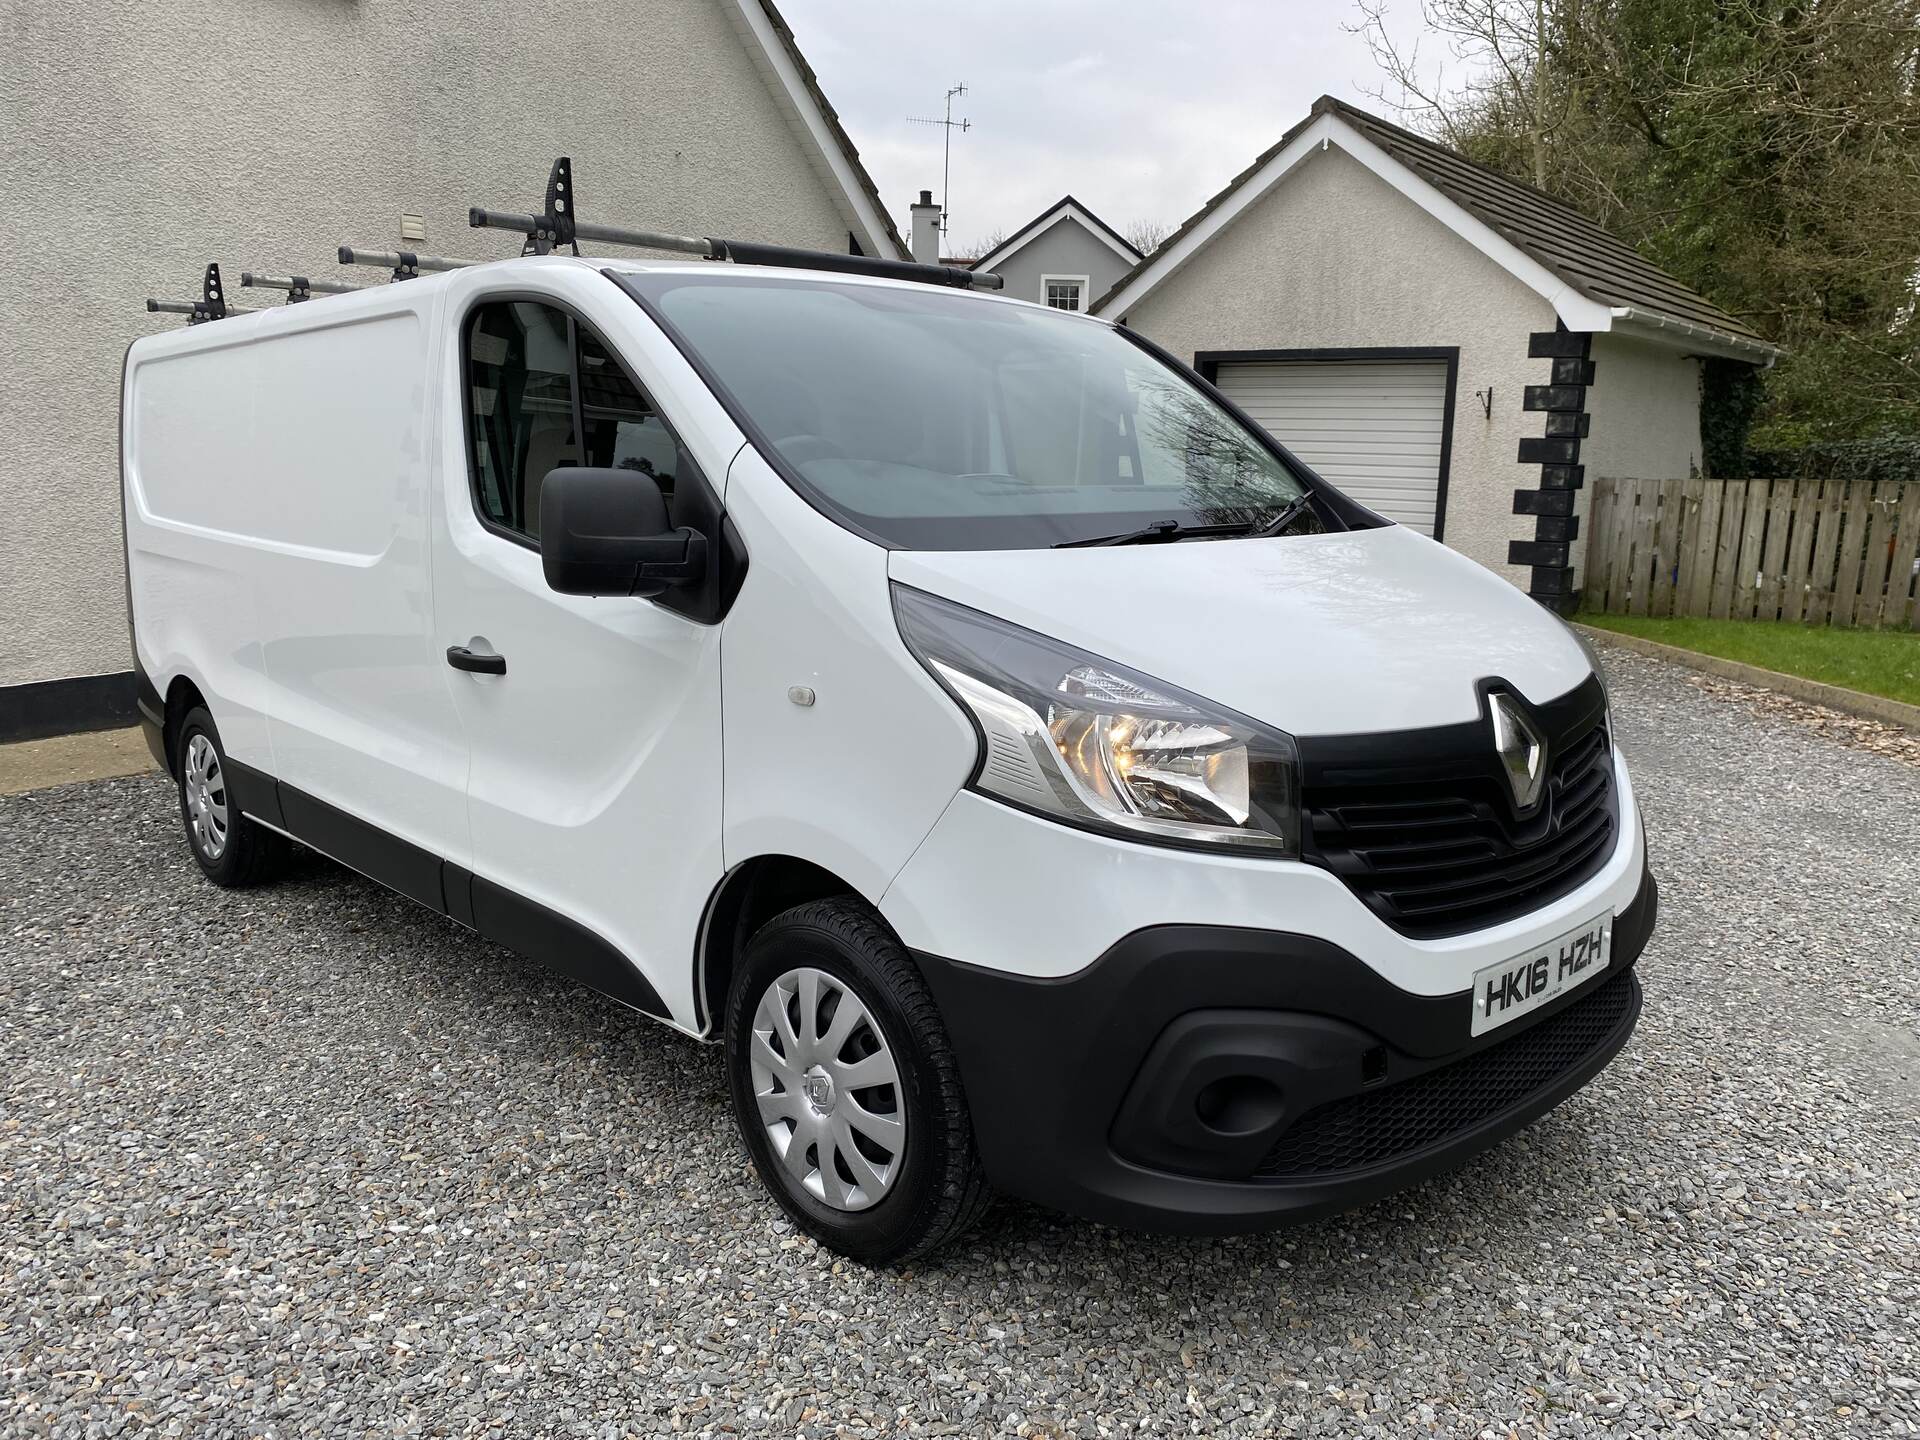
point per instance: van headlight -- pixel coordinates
(1093, 743)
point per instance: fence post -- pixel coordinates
(1773, 568)
(1599, 509)
(1750, 561)
(1904, 549)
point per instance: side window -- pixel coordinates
(624, 431)
(544, 392)
(521, 407)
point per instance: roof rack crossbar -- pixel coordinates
(298, 287)
(405, 264)
(559, 225)
(533, 227)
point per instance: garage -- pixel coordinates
(1376, 424)
(1407, 320)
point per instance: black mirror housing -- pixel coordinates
(607, 532)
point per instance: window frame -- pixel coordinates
(574, 321)
(1085, 282)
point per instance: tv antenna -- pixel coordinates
(949, 124)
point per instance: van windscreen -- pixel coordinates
(935, 420)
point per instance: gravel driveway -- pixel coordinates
(310, 1161)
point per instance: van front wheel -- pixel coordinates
(232, 851)
(846, 1089)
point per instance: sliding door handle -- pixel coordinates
(461, 658)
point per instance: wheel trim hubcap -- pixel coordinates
(828, 1090)
(206, 796)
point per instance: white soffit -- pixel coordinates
(770, 54)
(1066, 209)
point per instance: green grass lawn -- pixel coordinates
(1880, 662)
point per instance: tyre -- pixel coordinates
(846, 1088)
(231, 850)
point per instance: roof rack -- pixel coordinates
(212, 304)
(298, 287)
(558, 224)
(404, 264)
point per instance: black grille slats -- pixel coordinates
(1436, 848)
(1399, 1121)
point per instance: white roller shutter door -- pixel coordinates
(1372, 427)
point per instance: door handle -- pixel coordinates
(461, 658)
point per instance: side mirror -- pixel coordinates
(605, 532)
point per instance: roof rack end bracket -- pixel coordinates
(555, 225)
(212, 304)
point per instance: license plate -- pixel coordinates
(1516, 987)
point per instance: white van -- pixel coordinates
(1036, 778)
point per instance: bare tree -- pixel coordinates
(983, 247)
(1503, 46)
(1146, 235)
(1767, 152)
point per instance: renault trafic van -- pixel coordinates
(1035, 777)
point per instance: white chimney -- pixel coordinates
(926, 229)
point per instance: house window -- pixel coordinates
(1064, 292)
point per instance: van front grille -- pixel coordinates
(1441, 851)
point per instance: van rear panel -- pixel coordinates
(279, 480)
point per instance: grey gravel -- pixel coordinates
(309, 1161)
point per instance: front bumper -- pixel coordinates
(1206, 1079)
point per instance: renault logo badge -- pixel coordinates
(1523, 753)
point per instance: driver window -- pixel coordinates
(523, 419)
(624, 431)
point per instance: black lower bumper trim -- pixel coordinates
(1075, 1106)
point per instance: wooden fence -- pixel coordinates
(1822, 552)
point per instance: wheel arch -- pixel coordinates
(182, 696)
(749, 895)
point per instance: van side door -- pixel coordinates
(594, 755)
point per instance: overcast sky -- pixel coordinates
(1140, 109)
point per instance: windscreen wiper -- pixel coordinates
(1153, 533)
(1291, 512)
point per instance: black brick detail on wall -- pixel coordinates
(1541, 450)
(1555, 397)
(1543, 502)
(1556, 450)
(1556, 344)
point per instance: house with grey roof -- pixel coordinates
(1065, 256)
(1450, 346)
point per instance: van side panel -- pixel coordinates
(362, 715)
(282, 480)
